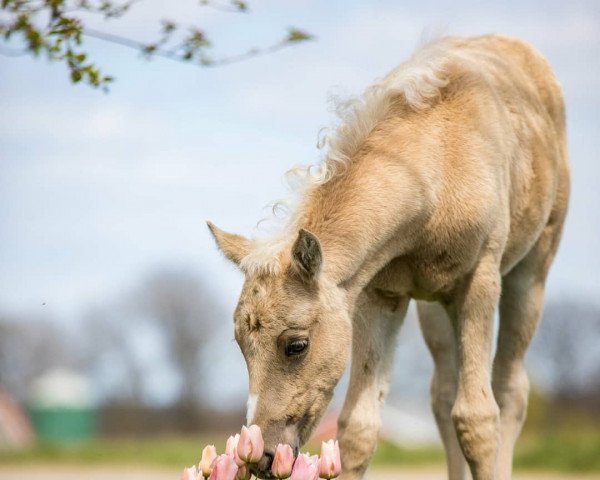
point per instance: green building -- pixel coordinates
(61, 407)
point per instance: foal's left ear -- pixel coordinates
(307, 257)
(234, 247)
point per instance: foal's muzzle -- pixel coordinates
(263, 468)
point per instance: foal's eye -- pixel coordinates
(296, 347)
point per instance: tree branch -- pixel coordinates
(61, 39)
(173, 55)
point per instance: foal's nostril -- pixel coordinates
(262, 469)
(296, 450)
(267, 461)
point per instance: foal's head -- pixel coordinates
(293, 328)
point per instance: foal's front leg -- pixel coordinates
(475, 412)
(374, 334)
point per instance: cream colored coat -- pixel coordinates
(447, 182)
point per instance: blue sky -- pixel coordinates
(96, 190)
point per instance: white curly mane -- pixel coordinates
(417, 80)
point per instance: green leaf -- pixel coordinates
(75, 76)
(241, 6)
(168, 26)
(296, 35)
(149, 49)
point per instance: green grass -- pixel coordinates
(179, 451)
(176, 451)
(391, 455)
(574, 450)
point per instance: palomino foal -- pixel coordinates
(447, 182)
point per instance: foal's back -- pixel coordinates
(490, 152)
(534, 144)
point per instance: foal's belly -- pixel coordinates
(427, 275)
(432, 269)
(431, 272)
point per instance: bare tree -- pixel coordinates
(108, 355)
(30, 347)
(567, 347)
(185, 311)
(173, 305)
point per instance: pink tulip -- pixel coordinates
(251, 446)
(209, 454)
(243, 473)
(330, 464)
(283, 461)
(190, 473)
(231, 449)
(224, 468)
(306, 467)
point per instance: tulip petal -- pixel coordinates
(330, 463)
(224, 468)
(189, 473)
(209, 454)
(283, 461)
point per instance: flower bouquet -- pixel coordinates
(246, 449)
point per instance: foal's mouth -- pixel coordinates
(265, 475)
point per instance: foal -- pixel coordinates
(447, 182)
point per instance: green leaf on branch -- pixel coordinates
(241, 6)
(296, 35)
(54, 27)
(168, 26)
(75, 76)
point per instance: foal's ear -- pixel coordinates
(234, 247)
(307, 257)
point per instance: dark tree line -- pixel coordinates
(182, 314)
(566, 348)
(110, 344)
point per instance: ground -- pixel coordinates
(53, 472)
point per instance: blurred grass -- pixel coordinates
(572, 450)
(560, 438)
(567, 450)
(576, 450)
(154, 451)
(391, 455)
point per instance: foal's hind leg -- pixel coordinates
(475, 412)
(520, 310)
(440, 339)
(375, 326)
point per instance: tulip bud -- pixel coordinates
(243, 473)
(251, 445)
(209, 454)
(224, 468)
(231, 449)
(190, 473)
(306, 467)
(283, 461)
(330, 463)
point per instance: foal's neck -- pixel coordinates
(359, 214)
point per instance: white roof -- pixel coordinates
(61, 388)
